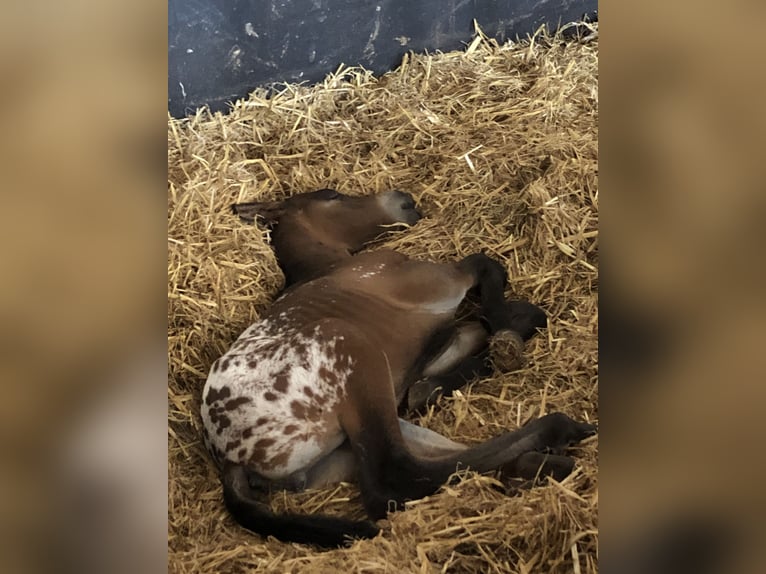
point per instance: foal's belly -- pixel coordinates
(272, 401)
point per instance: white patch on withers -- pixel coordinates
(271, 401)
(367, 271)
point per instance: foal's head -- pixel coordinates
(312, 231)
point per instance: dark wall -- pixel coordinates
(219, 50)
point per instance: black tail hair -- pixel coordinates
(325, 531)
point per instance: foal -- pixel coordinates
(308, 396)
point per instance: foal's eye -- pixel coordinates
(329, 194)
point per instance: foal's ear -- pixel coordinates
(268, 211)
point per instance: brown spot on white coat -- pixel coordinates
(282, 364)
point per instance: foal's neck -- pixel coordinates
(303, 257)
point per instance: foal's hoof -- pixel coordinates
(557, 466)
(525, 318)
(538, 465)
(570, 431)
(505, 350)
(581, 431)
(557, 430)
(422, 393)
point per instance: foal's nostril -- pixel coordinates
(413, 216)
(408, 202)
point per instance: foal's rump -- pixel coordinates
(271, 402)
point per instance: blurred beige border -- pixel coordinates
(83, 112)
(682, 158)
(83, 106)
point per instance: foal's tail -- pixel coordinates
(326, 531)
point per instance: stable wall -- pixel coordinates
(219, 50)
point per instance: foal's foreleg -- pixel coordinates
(463, 358)
(510, 322)
(427, 390)
(491, 279)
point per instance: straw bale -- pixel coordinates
(498, 144)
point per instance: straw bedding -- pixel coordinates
(498, 144)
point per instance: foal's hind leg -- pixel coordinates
(340, 465)
(533, 466)
(390, 471)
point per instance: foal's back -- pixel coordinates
(394, 300)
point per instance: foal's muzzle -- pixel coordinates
(401, 205)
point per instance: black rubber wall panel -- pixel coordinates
(219, 50)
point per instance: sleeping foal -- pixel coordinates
(309, 395)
